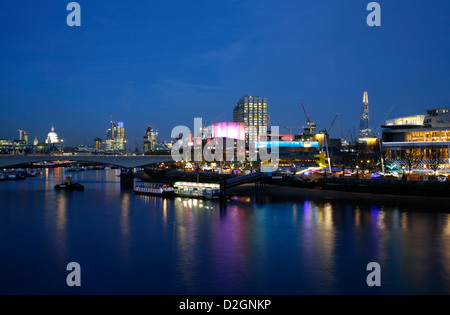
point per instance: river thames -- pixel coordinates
(131, 244)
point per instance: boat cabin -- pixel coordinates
(200, 190)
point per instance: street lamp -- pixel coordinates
(328, 156)
(381, 153)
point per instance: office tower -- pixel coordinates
(115, 137)
(252, 111)
(150, 139)
(364, 125)
(23, 136)
(110, 131)
(119, 137)
(119, 130)
(98, 144)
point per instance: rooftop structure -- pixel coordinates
(52, 137)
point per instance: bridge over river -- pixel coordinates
(124, 161)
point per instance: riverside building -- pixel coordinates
(419, 142)
(252, 111)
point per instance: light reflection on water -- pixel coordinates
(151, 245)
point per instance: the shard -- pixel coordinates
(364, 126)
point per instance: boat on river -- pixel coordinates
(32, 173)
(69, 185)
(197, 190)
(161, 189)
(13, 175)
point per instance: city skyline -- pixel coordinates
(253, 151)
(323, 55)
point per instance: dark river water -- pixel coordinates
(130, 244)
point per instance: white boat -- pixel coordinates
(2, 176)
(197, 190)
(154, 189)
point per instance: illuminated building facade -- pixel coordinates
(116, 137)
(98, 145)
(252, 111)
(292, 153)
(53, 142)
(52, 137)
(365, 131)
(150, 139)
(6, 146)
(23, 136)
(231, 130)
(420, 142)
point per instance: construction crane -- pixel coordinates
(327, 131)
(332, 123)
(384, 119)
(351, 135)
(308, 118)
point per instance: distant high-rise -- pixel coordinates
(115, 137)
(98, 144)
(119, 130)
(364, 126)
(252, 110)
(150, 139)
(23, 136)
(110, 131)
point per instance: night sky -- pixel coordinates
(164, 62)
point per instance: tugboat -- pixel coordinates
(69, 185)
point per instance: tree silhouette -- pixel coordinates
(435, 160)
(411, 160)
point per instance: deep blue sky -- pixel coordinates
(164, 62)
